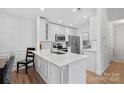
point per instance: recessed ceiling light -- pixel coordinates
(70, 24)
(60, 21)
(42, 9)
(74, 10)
(85, 16)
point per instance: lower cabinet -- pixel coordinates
(54, 74)
(50, 73)
(91, 61)
(41, 67)
(37, 64)
(73, 73)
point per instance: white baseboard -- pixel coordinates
(101, 71)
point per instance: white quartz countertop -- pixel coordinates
(59, 60)
(90, 50)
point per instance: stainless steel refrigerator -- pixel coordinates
(74, 43)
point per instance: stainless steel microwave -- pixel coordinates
(59, 38)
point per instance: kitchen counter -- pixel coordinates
(59, 59)
(90, 50)
(91, 60)
(68, 68)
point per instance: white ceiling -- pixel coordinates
(68, 16)
(115, 13)
(65, 14)
(21, 12)
(54, 14)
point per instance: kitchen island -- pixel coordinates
(60, 68)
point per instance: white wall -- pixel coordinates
(103, 45)
(16, 34)
(119, 41)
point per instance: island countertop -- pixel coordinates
(59, 60)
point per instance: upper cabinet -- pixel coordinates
(46, 31)
(52, 29)
(69, 31)
(93, 28)
(61, 30)
(41, 29)
(55, 29)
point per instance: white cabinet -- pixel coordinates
(93, 28)
(42, 30)
(69, 31)
(50, 73)
(91, 60)
(37, 64)
(51, 32)
(44, 66)
(61, 30)
(41, 66)
(47, 32)
(55, 29)
(54, 74)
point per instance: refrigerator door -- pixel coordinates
(74, 43)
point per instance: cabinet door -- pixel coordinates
(37, 61)
(93, 28)
(68, 32)
(91, 61)
(44, 66)
(42, 30)
(61, 30)
(54, 74)
(51, 32)
(37, 64)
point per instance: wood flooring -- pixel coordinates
(31, 77)
(114, 74)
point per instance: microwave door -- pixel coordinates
(59, 37)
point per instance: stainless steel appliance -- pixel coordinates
(59, 38)
(74, 43)
(57, 45)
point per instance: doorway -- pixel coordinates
(119, 45)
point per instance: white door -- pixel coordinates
(119, 45)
